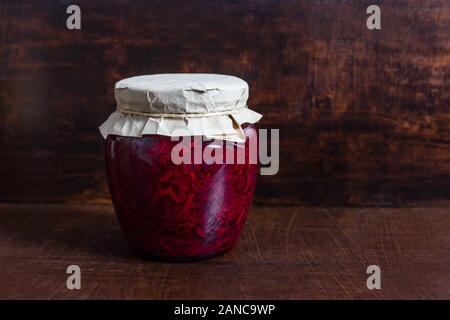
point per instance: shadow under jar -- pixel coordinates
(182, 211)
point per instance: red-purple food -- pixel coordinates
(178, 212)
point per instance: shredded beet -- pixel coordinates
(184, 211)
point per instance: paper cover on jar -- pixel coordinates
(211, 105)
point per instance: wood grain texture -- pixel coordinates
(363, 115)
(284, 253)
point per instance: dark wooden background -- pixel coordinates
(364, 116)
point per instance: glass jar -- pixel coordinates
(181, 211)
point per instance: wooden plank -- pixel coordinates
(284, 253)
(364, 115)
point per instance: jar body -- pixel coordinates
(179, 211)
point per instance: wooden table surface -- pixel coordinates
(284, 253)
